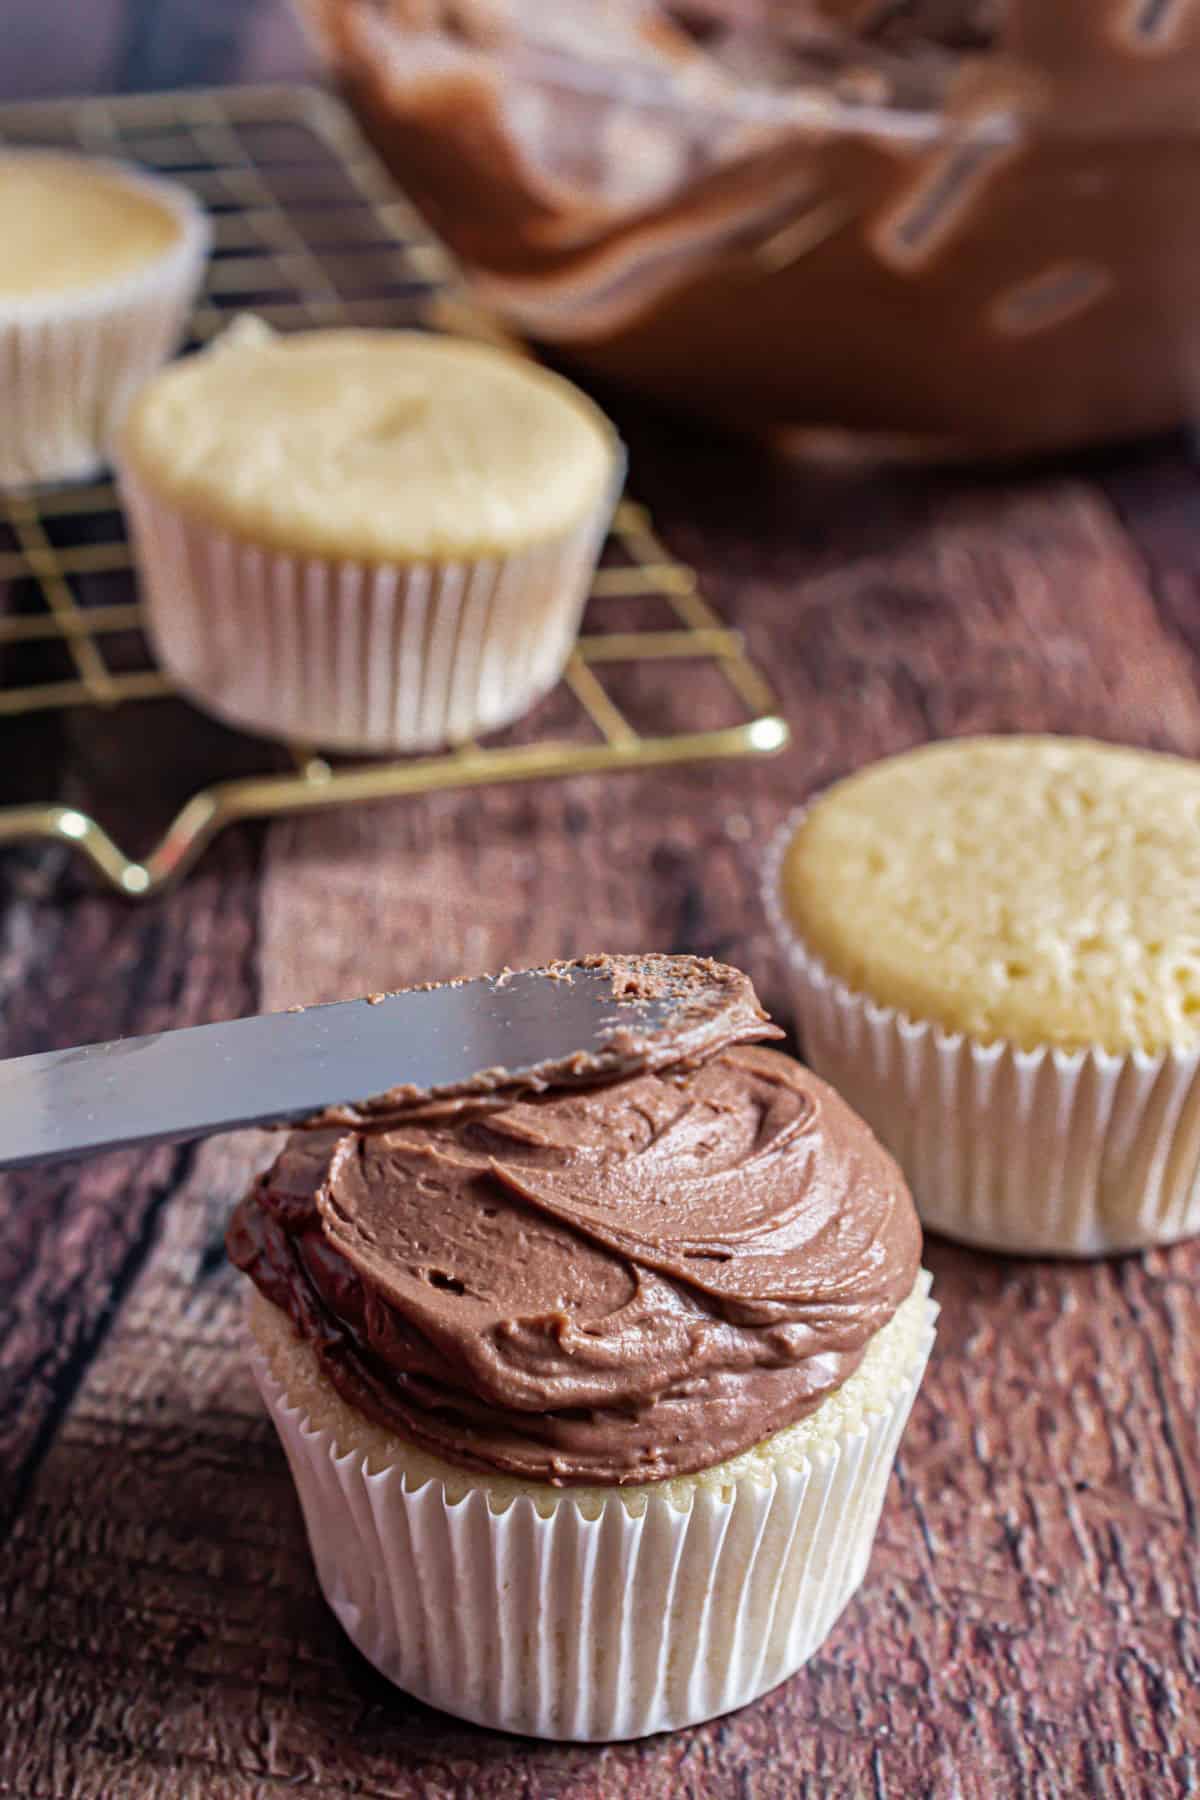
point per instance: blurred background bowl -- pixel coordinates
(965, 227)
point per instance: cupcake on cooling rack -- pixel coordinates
(372, 540)
(99, 269)
(994, 947)
(591, 1393)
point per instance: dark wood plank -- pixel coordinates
(1156, 499)
(173, 43)
(111, 46)
(1029, 1625)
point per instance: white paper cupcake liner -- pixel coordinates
(358, 655)
(1038, 1152)
(613, 1626)
(69, 365)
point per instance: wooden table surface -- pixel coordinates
(1031, 1621)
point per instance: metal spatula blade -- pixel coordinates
(277, 1067)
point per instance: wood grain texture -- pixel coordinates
(1030, 1625)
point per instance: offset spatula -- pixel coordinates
(289, 1066)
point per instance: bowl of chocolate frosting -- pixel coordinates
(933, 227)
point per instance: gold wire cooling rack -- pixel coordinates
(310, 231)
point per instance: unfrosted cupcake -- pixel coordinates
(591, 1394)
(995, 955)
(371, 540)
(99, 269)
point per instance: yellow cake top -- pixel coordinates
(1037, 889)
(68, 224)
(378, 445)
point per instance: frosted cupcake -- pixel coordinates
(372, 540)
(994, 947)
(591, 1394)
(99, 270)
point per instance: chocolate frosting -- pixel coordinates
(617, 1281)
(940, 225)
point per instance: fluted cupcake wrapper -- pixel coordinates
(591, 1628)
(358, 655)
(1038, 1152)
(69, 365)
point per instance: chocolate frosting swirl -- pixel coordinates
(609, 1283)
